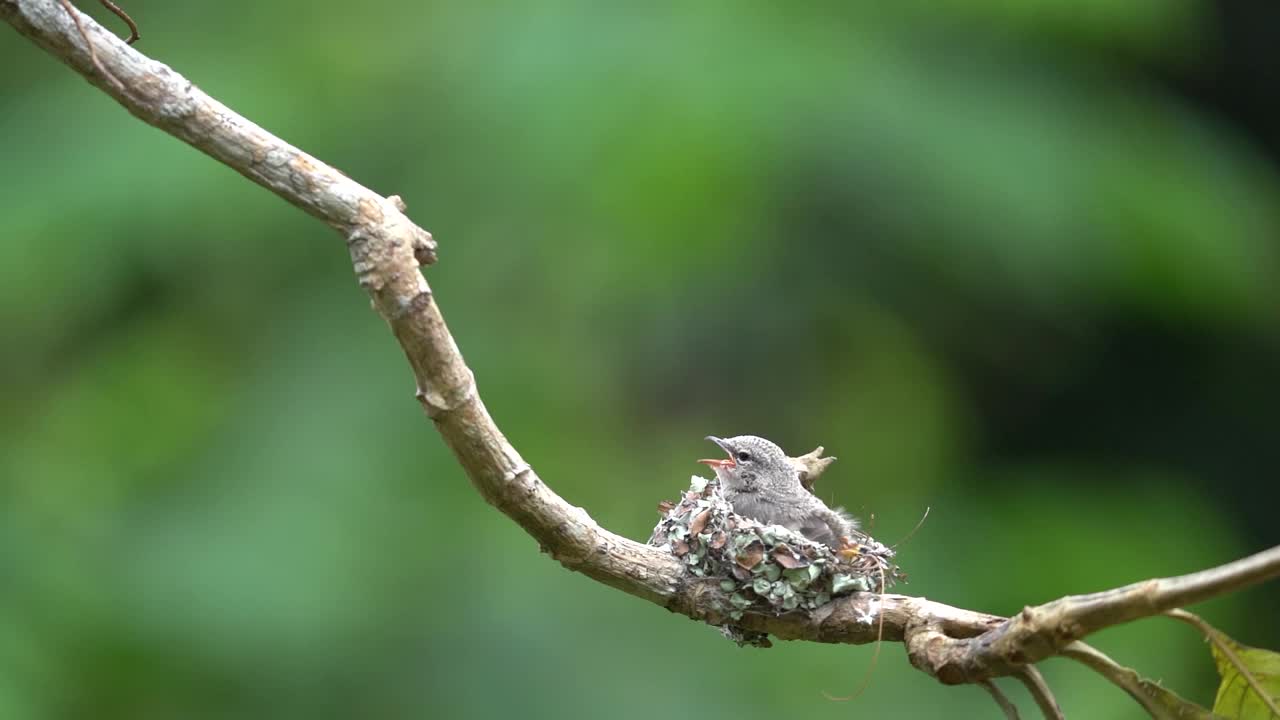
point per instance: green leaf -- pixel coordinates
(842, 583)
(801, 577)
(1236, 699)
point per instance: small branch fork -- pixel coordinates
(952, 644)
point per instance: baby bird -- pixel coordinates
(762, 483)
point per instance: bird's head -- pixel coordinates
(752, 461)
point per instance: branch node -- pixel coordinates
(424, 247)
(414, 305)
(437, 404)
(356, 236)
(367, 276)
(512, 474)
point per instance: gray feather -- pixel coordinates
(765, 485)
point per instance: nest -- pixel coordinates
(765, 568)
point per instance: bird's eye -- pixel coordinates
(744, 456)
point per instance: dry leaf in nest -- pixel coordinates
(786, 558)
(700, 522)
(751, 555)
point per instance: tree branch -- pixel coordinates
(952, 644)
(161, 97)
(1044, 630)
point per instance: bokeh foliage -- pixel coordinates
(986, 252)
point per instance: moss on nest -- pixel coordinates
(765, 568)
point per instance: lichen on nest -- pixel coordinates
(765, 568)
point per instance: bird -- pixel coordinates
(762, 483)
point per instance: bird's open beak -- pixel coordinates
(726, 462)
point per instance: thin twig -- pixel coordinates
(919, 524)
(1006, 705)
(120, 13)
(1159, 702)
(1039, 689)
(1214, 636)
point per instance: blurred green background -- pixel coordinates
(1013, 261)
